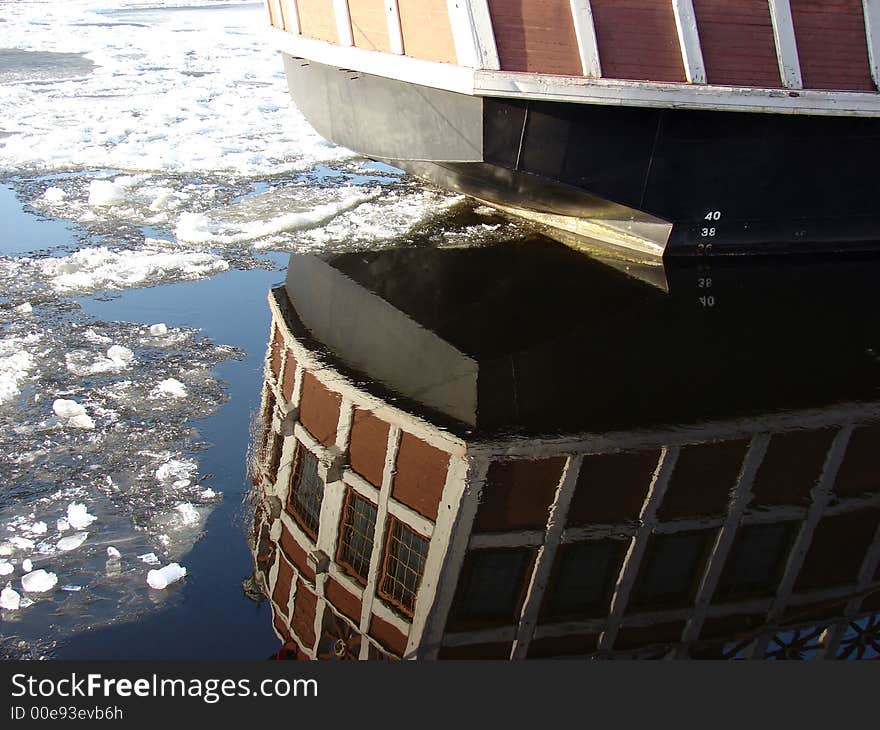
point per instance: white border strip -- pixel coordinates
(872, 33)
(689, 40)
(395, 32)
(472, 33)
(343, 23)
(290, 13)
(576, 89)
(786, 44)
(585, 30)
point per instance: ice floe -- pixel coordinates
(78, 516)
(10, 599)
(104, 268)
(169, 388)
(72, 542)
(39, 581)
(163, 577)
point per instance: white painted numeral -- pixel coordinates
(713, 215)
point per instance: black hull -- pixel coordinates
(720, 182)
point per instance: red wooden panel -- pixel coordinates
(518, 494)
(303, 621)
(317, 20)
(536, 36)
(369, 442)
(737, 42)
(638, 40)
(346, 603)
(296, 554)
(832, 45)
(387, 635)
(276, 352)
(369, 25)
(612, 487)
(289, 377)
(426, 30)
(283, 586)
(420, 475)
(319, 410)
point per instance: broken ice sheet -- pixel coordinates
(63, 482)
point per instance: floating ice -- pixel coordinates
(22, 543)
(10, 599)
(105, 192)
(163, 577)
(67, 408)
(83, 421)
(169, 388)
(25, 308)
(208, 494)
(149, 558)
(53, 195)
(189, 515)
(39, 528)
(71, 588)
(120, 354)
(6, 568)
(13, 370)
(157, 330)
(5, 549)
(174, 470)
(112, 552)
(78, 516)
(27, 565)
(62, 525)
(39, 581)
(199, 228)
(103, 268)
(72, 542)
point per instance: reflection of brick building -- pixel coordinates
(383, 534)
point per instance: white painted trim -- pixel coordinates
(343, 22)
(388, 615)
(480, 636)
(689, 40)
(373, 577)
(395, 32)
(577, 89)
(292, 15)
(821, 495)
(446, 554)
(871, 10)
(472, 33)
(724, 539)
(403, 68)
(629, 571)
(546, 557)
(677, 96)
(361, 485)
(494, 540)
(602, 443)
(786, 44)
(411, 518)
(585, 31)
